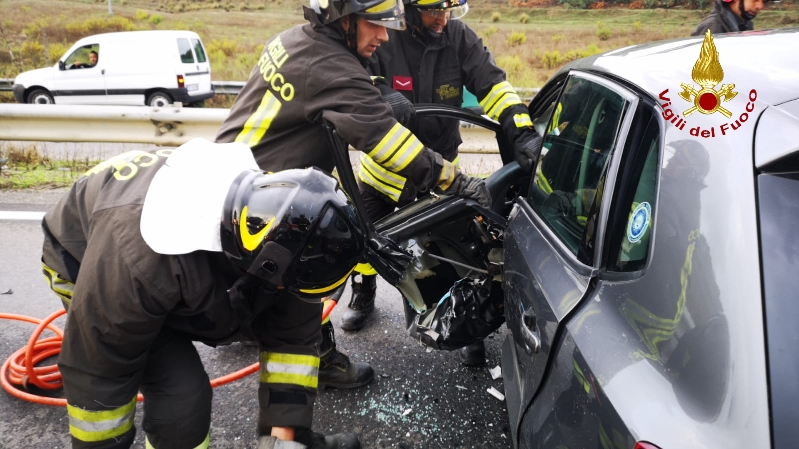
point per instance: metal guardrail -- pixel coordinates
(234, 87)
(140, 124)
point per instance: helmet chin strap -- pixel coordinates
(744, 13)
(352, 37)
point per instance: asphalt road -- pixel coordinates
(419, 399)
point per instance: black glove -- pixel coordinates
(527, 148)
(526, 141)
(470, 187)
(403, 110)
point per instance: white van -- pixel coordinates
(152, 68)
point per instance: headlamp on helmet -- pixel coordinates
(448, 9)
(293, 230)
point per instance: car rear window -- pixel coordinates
(778, 196)
(198, 50)
(184, 47)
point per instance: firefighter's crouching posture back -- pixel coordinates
(150, 251)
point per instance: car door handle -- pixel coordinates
(530, 333)
(102, 72)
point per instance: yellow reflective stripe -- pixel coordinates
(329, 287)
(447, 176)
(543, 183)
(255, 127)
(428, 2)
(499, 98)
(457, 161)
(248, 240)
(369, 179)
(204, 445)
(93, 426)
(522, 120)
(405, 155)
(555, 118)
(294, 369)
(365, 269)
(387, 5)
(389, 143)
(385, 176)
(62, 287)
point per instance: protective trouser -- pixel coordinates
(177, 405)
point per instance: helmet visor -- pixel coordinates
(329, 256)
(449, 13)
(389, 14)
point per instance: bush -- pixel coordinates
(155, 19)
(552, 59)
(56, 51)
(524, 18)
(651, 4)
(579, 4)
(32, 50)
(495, 16)
(597, 5)
(228, 47)
(604, 34)
(637, 26)
(557, 38)
(488, 32)
(141, 15)
(636, 4)
(516, 38)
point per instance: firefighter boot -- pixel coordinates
(335, 368)
(473, 354)
(315, 440)
(362, 303)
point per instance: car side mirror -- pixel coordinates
(61, 65)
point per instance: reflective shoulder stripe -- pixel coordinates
(62, 287)
(457, 161)
(93, 426)
(204, 445)
(292, 369)
(522, 120)
(498, 99)
(259, 122)
(385, 182)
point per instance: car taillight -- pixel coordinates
(181, 81)
(645, 445)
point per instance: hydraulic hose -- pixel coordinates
(20, 368)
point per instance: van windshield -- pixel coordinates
(184, 47)
(198, 50)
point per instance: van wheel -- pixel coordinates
(40, 96)
(159, 99)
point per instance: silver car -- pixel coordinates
(649, 266)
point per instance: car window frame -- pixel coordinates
(631, 105)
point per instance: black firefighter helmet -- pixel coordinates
(294, 229)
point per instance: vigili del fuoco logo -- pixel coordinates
(705, 99)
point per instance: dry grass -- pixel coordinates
(35, 33)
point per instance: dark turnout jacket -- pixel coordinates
(722, 20)
(305, 76)
(436, 70)
(125, 295)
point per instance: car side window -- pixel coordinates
(631, 240)
(198, 50)
(579, 139)
(184, 47)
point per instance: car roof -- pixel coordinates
(139, 34)
(765, 60)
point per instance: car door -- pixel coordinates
(551, 244)
(78, 84)
(194, 65)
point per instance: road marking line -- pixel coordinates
(17, 215)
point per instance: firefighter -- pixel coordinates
(314, 73)
(432, 61)
(151, 251)
(728, 16)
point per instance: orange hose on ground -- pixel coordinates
(20, 368)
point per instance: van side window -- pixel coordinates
(84, 57)
(184, 47)
(198, 50)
